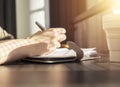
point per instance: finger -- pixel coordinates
(55, 43)
(50, 33)
(62, 37)
(58, 30)
(56, 34)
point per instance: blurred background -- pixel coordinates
(18, 18)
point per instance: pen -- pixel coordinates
(40, 26)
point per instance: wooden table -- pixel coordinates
(92, 73)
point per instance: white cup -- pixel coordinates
(111, 26)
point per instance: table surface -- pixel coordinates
(92, 73)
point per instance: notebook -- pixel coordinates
(71, 54)
(59, 55)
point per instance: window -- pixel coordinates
(29, 11)
(39, 11)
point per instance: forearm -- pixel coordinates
(14, 49)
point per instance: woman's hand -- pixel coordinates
(57, 33)
(52, 37)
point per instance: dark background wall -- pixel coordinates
(62, 13)
(8, 16)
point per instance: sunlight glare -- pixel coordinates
(116, 8)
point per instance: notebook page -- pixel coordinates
(59, 53)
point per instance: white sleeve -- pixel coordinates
(4, 33)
